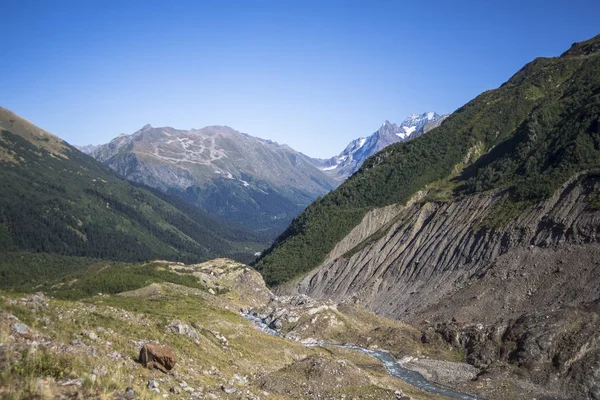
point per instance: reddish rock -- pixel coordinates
(154, 355)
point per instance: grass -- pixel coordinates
(106, 332)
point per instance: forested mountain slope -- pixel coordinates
(529, 136)
(483, 232)
(55, 199)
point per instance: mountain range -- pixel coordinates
(467, 257)
(235, 177)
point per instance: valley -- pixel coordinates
(451, 256)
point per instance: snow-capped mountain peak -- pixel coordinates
(415, 122)
(349, 160)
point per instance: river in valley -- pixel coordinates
(392, 365)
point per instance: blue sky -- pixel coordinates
(311, 74)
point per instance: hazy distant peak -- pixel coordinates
(348, 161)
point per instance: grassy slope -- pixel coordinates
(120, 322)
(534, 131)
(54, 199)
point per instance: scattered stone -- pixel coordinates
(180, 328)
(175, 390)
(228, 389)
(77, 343)
(37, 301)
(21, 329)
(220, 337)
(152, 384)
(153, 355)
(116, 355)
(71, 382)
(400, 396)
(130, 394)
(276, 324)
(90, 335)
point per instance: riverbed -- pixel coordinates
(393, 367)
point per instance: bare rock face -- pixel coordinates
(153, 355)
(430, 251)
(521, 289)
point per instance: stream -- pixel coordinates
(392, 365)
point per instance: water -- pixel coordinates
(392, 365)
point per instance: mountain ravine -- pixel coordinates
(493, 246)
(256, 183)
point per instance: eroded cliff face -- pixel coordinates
(401, 262)
(511, 286)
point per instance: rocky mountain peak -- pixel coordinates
(229, 174)
(585, 48)
(349, 160)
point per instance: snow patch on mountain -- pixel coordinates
(349, 160)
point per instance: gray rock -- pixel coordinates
(180, 328)
(152, 384)
(20, 328)
(90, 335)
(276, 324)
(130, 394)
(100, 370)
(228, 389)
(71, 382)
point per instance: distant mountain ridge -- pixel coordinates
(350, 160)
(88, 148)
(257, 183)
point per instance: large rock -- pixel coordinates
(154, 355)
(181, 328)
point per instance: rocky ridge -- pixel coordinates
(257, 183)
(353, 156)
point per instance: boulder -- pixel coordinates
(154, 355)
(21, 330)
(181, 328)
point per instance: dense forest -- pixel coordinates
(68, 204)
(528, 137)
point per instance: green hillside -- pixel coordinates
(529, 136)
(55, 199)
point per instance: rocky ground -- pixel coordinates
(90, 348)
(493, 362)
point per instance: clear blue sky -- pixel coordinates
(311, 74)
